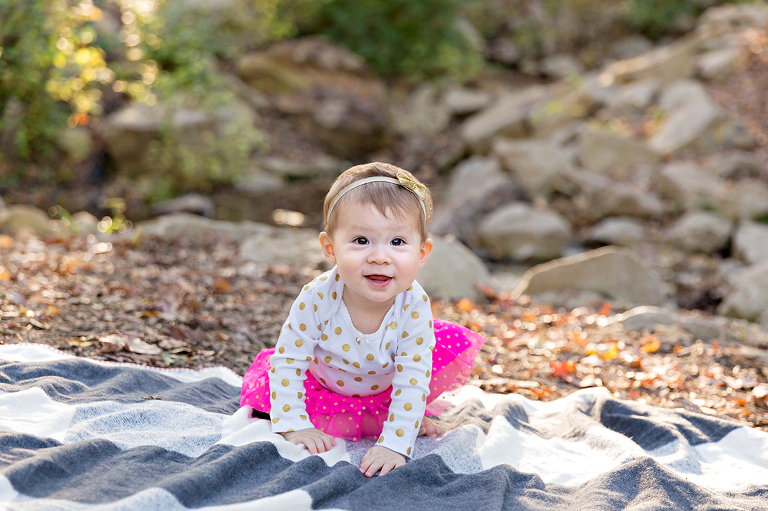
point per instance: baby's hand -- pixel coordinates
(312, 438)
(380, 458)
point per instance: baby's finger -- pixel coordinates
(387, 467)
(310, 444)
(374, 467)
(328, 442)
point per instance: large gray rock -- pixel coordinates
(613, 154)
(477, 186)
(198, 229)
(746, 199)
(750, 243)
(420, 114)
(667, 63)
(700, 231)
(617, 273)
(734, 164)
(748, 298)
(290, 246)
(453, 271)
(539, 166)
(688, 187)
(521, 232)
(695, 122)
(718, 64)
(21, 218)
(463, 101)
(613, 198)
(507, 116)
(621, 231)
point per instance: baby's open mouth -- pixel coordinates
(378, 280)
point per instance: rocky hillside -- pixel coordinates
(657, 151)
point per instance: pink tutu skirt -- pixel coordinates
(355, 417)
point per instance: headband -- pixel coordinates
(407, 182)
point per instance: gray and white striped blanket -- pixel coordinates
(77, 434)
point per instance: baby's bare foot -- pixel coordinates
(429, 428)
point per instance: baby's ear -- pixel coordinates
(424, 252)
(327, 244)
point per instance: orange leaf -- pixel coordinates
(606, 309)
(612, 351)
(4, 273)
(652, 345)
(5, 241)
(464, 305)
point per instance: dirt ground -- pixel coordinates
(178, 305)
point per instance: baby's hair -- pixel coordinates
(384, 196)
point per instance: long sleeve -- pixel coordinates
(293, 354)
(413, 363)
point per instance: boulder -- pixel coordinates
(750, 242)
(521, 232)
(539, 166)
(453, 271)
(616, 273)
(291, 246)
(463, 101)
(667, 63)
(23, 219)
(561, 65)
(718, 64)
(688, 187)
(613, 154)
(420, 113)
(729, 18)
(614, 198)
(476, 187)
(734, 164)
(198, 229)
(507, 116)
(748, 297)
(621, 231)
(190, 203)
(746, 199)
(700, 231)
(632, 97)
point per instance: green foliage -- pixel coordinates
(655, 17)
(412, 38)
(49, 72)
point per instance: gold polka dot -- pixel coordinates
(399, 432)
(386, 346)
(287, 408)
(391, 417)
(428, 373)
(424, 297)
(346, 347)
(358, 378)
(415, 315)
(400, 367)
(381, 439)
(272, 370)
(416, 357)
(338, 330)
(405, 307)
(408, 407)
(315, 307)
(397, 392)
(298, 372)
(374, 387)
(274, 421)
(339, 383)
(419, 340)
(393, 325)
(357, 396)
(299, 343)
(306, 287)
(322, 380)
(356, 364)
(385, 365)
(337, 277)
(369, 356)
(310, 358)
(282, 349)
(346, 361)
(289, 360)
(371, 372)
(417, 424)
(405, 334)
(303, 417)
(300, 394)
(319, 327)
(423, 397)
(274, 395)
(290, 431)
(285, 382)
(324, 337)
(408, 452)
(320, 295)
(334, 295)
(323, 278)
(403, 354)
(327, 360)
(414, 381)
(430, 323)
(410, 288)
(302, 305)
(302, 327)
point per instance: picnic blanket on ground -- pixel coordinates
(78, 434)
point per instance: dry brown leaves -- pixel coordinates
(179, 305)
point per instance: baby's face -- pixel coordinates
(377, 256)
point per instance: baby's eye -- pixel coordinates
(398, 242)
(361, 240)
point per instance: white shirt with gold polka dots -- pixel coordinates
(318, 335)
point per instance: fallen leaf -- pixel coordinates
(6, 241)
(652, 345)
(464, 305)
(4, 273)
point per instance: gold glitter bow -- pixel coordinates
(419, 189)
